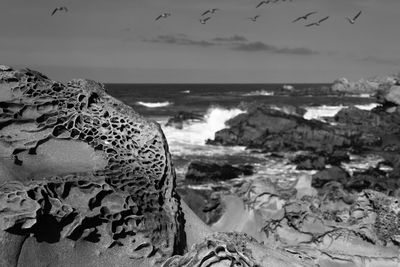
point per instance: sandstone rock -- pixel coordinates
(85, 180)
(235, 249)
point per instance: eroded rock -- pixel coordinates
(79, 167)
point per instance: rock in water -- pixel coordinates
(86, 181)
(201, 172)
(182, 117)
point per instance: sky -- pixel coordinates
(119, 41)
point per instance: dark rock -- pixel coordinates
(273, 130)
(337, 157)
(374, 179)
(181, 117)
(336, 174)
(309, 161)
(200, 172)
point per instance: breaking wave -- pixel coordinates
(154, 104)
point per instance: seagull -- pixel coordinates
(254, 19)
(62, 8)
(204, 21)
(318, 23)
(262, 3)
(212, 11)
(305, 17)
(163, 15)
(353, 20)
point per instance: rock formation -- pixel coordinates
(84, 179)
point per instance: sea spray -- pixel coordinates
(197, 133)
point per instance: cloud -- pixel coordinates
(384, 61)
(234, 38)
(235, 42)
(180, 39)
(260, 46)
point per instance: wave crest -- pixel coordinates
(320, 112)
(154, 104)
(259, 93)
(197, 133)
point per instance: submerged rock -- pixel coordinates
(83, 177)
(201, 172)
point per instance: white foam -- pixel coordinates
(320, 112)
(154, 104)
(259, 93)
(367, 106)
(198, 132)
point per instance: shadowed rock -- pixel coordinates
(201, 172)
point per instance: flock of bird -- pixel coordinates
(203, 18)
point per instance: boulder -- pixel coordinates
(201, 172)
(392, 96)
(309, 161)
(333, 174)
(85, 180)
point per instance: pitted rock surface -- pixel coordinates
(236, 249)
(79, 165)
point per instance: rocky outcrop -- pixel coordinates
(235, 249)
(182, 117)
(364, 86)
(202, 172)
(272, 130)
(83, 177)
(390, 96)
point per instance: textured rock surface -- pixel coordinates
(234, 249)
(85, 179)
(273, 130)
(333, 227)
(364, 86)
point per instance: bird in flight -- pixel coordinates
(62, 8)
(353, 20)
(254, 19)
(163, 15)
(262, 3)
(212, 11)
(204, 21)
(305, 17)
(318, 23)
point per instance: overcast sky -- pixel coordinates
(119, 40)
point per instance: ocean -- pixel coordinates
(221, 102)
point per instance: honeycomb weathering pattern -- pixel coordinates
(236, 249)
(129, 203)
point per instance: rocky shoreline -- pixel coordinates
(86, 181)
